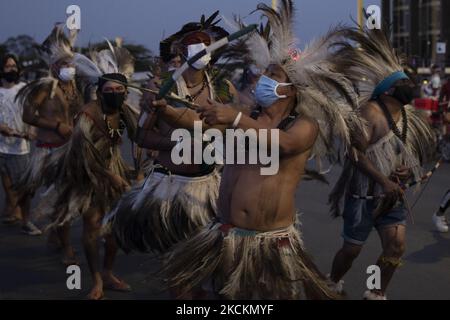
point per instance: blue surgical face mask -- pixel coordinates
(266, 91)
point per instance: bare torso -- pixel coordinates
(252, 201)
(58, 109)
(164, 156)
(379, 123)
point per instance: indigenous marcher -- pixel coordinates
(50, 104)
(174, 201)
(14, 145)
(254, 250)
(397, 143)
(92, 174)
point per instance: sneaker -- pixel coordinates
(30, 229)
(336, 287)
(440, 222)
(369, 295)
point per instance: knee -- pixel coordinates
(396, 249)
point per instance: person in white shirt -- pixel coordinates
(435, 81)
(14, 145)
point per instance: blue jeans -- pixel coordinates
(359, 220)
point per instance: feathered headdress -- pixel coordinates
(58, 46)
(237, 53)
(114, 60)
(108, 62)
(367, 58)
(172, 46)
(322, 92)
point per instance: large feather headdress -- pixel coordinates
(172, 46)
(58, 46)
(323, 93)
(112, 60)
(367, 58)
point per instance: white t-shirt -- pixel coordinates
(435, 81)
(11, 116)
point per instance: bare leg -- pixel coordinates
(69, 257)
(11, 209)
(110, 280)
(393, 241)
(91, 230)
(24, 207)
(343, 260)
(53, 241)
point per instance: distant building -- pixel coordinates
(420, 29)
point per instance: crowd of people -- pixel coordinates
(221, 230)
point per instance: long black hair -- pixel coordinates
(5, 59)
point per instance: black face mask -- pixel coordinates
(404, 94)
(12, 76)
(113, 100)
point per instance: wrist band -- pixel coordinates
(237, 120)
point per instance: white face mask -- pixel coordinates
(193, 49)
(67, 74)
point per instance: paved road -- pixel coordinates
(28, 270)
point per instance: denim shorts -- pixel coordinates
(13, 165)
(359, 221)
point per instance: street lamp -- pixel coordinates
(274, 4)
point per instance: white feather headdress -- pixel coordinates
(111, 60)
(322, 93)
(58, 46)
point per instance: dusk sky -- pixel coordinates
(147, 21)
